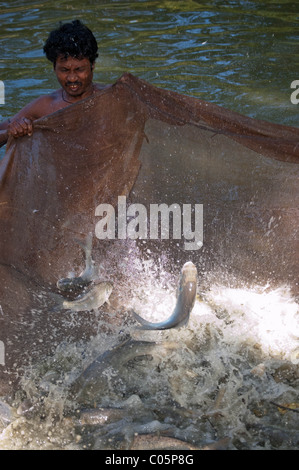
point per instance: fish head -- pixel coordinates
(64, 284)
(107, 287)
(189, 273)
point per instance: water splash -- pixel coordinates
(221, 377)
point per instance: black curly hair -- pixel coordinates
(71, 40)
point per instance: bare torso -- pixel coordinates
(21, 123)
(48, 104)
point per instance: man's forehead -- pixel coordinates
(67, 59)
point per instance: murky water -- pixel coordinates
(223, 376)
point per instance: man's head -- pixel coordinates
(71, 40)
(73, 50)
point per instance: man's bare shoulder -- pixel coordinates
(42, 106)
(48, 104)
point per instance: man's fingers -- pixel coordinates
(15, 129)
(29, 128)
(20, 127)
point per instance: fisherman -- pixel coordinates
(72, 48)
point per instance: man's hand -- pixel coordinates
(20, 127)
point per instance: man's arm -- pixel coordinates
(21, 123)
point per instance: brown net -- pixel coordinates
(154, 147)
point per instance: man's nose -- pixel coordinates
(72, 77)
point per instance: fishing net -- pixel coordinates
(135, 145)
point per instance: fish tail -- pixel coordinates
(58, 303)
(90, 268)
(86, 244)
(147, 325)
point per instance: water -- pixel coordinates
(242, 55)
(221, 378)
(238, 358)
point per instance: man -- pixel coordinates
(72, 48)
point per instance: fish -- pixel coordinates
(73, 285)
(93, 382)
(29, 408)
(94, 298)
(154, 442)
(98, 416)
(186, 295)
(279, 437)
(81, 282)
(6, 414)
(221, 444)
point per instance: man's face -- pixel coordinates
(74, 75)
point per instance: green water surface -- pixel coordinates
(243, 55)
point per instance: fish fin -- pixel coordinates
(139, 318)
(147, 325)
(90, 271)
(164, 325)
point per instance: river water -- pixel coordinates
(237, 359)
(240, 54)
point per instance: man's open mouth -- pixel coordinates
(74, 87)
